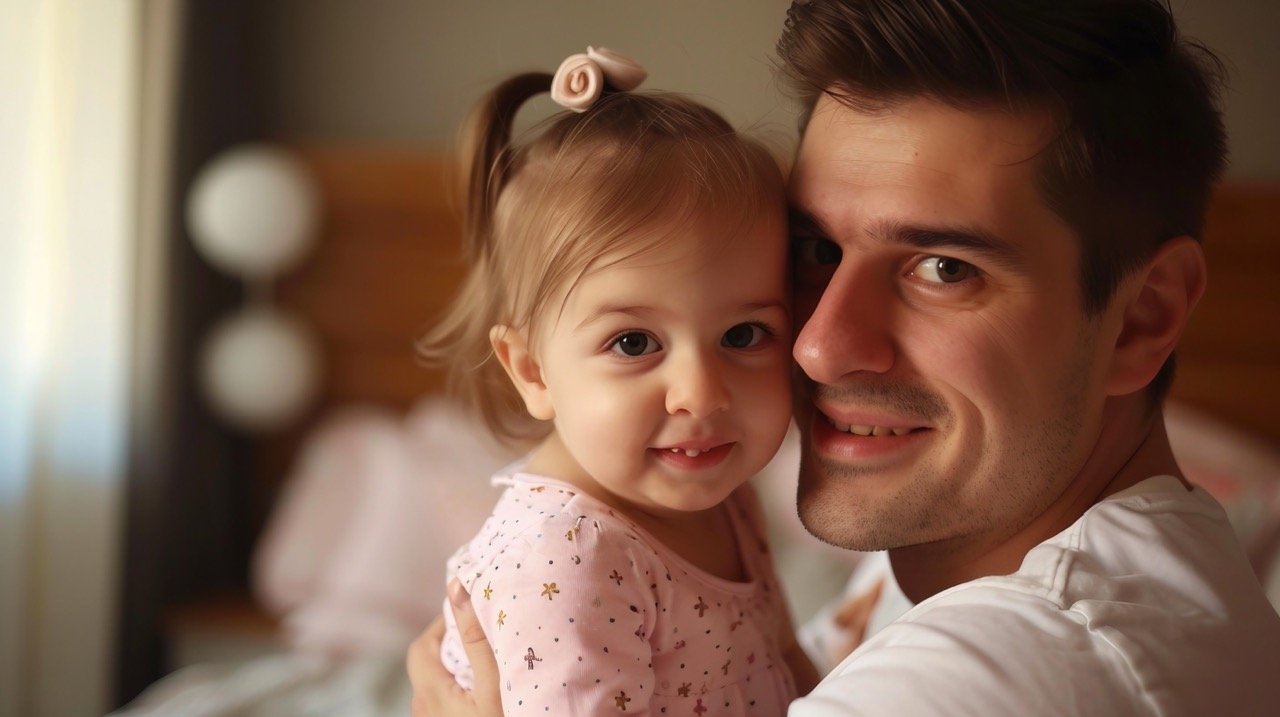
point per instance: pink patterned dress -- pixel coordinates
(588, 614)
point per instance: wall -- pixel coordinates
(1244, 33)
(408, 70)
(405, 71)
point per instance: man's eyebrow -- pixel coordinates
(977, 241)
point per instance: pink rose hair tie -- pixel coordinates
(581, 78)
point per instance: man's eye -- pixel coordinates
(814, 251)
(744, 336)
(944, 270)
(634, 343)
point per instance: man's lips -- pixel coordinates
(867, 423)
(870, 429)
(863, 436)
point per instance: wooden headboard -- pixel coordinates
(1229, 357)
(389, 260)
(387, 263)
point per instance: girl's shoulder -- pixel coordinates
(544, 519)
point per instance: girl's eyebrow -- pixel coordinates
(644, 312)
(634, 311)
(754, 306)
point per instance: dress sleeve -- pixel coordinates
(568, 614)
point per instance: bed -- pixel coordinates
(341, 582)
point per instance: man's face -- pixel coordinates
(941, 315)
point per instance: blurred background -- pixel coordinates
(222, 225)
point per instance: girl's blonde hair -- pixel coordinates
(541, 214)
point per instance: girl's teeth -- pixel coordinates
(692, 452)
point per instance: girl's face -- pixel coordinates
(668, 373)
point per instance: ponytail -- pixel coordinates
(460, 341)
(486, 154)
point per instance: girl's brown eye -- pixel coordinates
(742, 336)
(634, 343)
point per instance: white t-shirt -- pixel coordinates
(1146, 605)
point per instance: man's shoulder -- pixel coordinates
(982, 649)
(1145, 603)
(993, 649)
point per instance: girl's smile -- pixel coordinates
(693, 459)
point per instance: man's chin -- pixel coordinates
(832, 510)
(839, 531)
(825, 513)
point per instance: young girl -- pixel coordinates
(628, 292)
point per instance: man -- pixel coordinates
(996, 211)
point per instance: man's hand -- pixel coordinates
(435, 693)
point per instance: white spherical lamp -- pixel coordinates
(253, 211)
(260, 369)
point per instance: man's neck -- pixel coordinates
(1132, 447)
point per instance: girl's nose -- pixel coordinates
(697, 387)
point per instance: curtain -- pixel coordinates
(69, 159)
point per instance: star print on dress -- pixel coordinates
(616, 578)
(699, 708)
(572, 533)
(531, 658)
(488, 591)
(724, 669)
(502, 618)
(621, 700)
(701, 607)
(549, 590)
(684, 689)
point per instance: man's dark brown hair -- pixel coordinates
(1140, 141)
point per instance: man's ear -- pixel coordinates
(1157, 311)
(511, 346)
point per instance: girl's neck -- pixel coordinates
(704, 538)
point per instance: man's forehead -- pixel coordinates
(921, 134)
(922, 167)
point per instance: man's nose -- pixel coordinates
(697, 386)
(848, 330)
